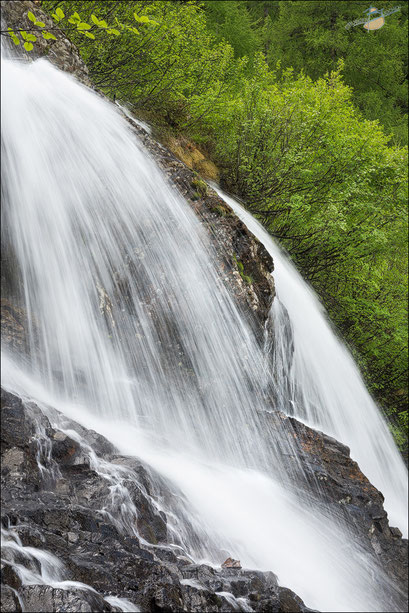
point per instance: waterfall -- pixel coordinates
(133, 333)
(318, 381)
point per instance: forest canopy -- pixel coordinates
(307, 122)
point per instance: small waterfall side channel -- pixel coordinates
(316, 380)
(133, 333)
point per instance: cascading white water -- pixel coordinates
(319, 382)
(43, 568)
(134, 334)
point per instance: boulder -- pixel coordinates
(39, 598)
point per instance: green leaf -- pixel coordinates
(74, 18)
(135, 30)
(31, 17)
(60, 13)
(41, 24)
(103, 24)
(54, 16)
(31, 37)
(89, 34)
(95, 19)
(13, 37)
(24, 34)
(83, 26)
(113, 31)
(28, 46)
(49, 36)
(144, 19)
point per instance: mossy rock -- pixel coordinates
(200, 186)
(240, 267)
(208, 169)
(220, 210)
(247, 278)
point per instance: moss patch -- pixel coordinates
(200, 186)
(247, 278)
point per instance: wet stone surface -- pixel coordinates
(66, 512)
(336, 481)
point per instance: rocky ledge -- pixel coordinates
(68, 493)
(334, 480)
(74, 497)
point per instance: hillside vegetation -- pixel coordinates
(306, 122)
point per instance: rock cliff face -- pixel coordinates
(56, 498)
(336, 481)
(67, 493)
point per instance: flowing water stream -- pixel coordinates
(133, 333)
(317, 381)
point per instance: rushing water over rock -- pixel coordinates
(133, 333)
(317, 381)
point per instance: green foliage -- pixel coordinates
(166, 68)
(230, 21)
(79, 24)
(28, 37)
(247, 278)
(311, 36)
(200, 186)
(326, 182)
(13, 36)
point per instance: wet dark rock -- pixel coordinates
(18, 425)
(395, 533)
(46, 598)
(13, 320)
(9, 600)
(289, 601)
(64, 449)
(9, 576)
(335, 479)
(71, 518)
(151, 525)
(259, 589)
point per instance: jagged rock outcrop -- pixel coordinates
(243, 260)
(55, 500)
(13, 326)
(334, 479)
